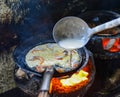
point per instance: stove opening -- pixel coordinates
(111, 44)
(73, 83)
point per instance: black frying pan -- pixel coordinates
(20, 54)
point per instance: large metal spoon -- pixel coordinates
(73, 33)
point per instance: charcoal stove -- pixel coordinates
(31, 82)
(105, 44)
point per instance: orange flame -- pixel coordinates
(112, 45)
(73, 83)
(75, 79)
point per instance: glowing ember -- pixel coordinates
(112, 45)
(75, 79)
(73, 83)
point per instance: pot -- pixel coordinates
(104, 41)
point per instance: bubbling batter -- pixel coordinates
(51, 54)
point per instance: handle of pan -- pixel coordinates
(43, 94)
(44, 90)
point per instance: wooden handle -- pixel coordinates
(44, 90)
(44, 94)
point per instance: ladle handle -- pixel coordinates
(105, 26)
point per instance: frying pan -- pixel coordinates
(21, 50)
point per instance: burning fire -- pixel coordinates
(73, 83)
(112, 45)
(75, 79)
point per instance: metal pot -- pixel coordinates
(96, 44)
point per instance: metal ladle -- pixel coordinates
(73, 33)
